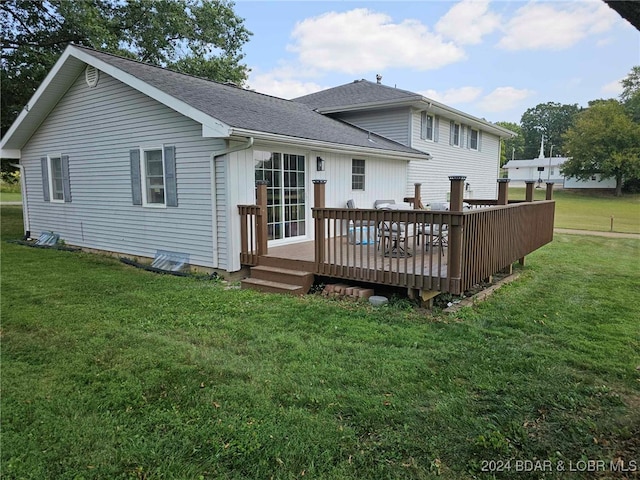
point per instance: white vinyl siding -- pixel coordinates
(97, 128)
(391, 123)
(480, 167)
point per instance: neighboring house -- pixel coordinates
(122, 156)
(547, 169)
(457, 142)
(539, 169)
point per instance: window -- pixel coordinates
(357, 174)
(455, 134)
(286, 205)
(55, 174)
(426, 127)
(473, 139)
(153, 177)
(55, 178)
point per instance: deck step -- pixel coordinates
(279, 280)
(271, 287)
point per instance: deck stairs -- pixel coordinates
(272, 279)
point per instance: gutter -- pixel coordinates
(333, 147)
(25, 210)
(214, 221)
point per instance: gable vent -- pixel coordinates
(91, 75)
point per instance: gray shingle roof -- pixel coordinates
(356, 93)
(248, 110)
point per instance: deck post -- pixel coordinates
(319, 202)
(528, 196)
(417, 197)
(261, 218)
(455, 234)
(503, 191)
(549, 193)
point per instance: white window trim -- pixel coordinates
(143, 176)
(453, 139)
(424, 123)
(50, 169)
(363, 175)
(471, 130)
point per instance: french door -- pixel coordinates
(286, 208)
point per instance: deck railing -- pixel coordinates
(393, 247)
(493, 238)
(446, 251)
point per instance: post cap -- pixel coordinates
(417, 184)
(457, 177)
(262, 182)
(550, 183)
(530, 182)
(504, 180)
(318, 181)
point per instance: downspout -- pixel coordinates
(214, 220)
(25, 210)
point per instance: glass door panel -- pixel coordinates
(286, 207)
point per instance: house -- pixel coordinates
(539, 169)
(126, 157)
(456, 141)
(548, 169)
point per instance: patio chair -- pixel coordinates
(359, 231)
(392, 236)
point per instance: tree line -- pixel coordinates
(205, 38)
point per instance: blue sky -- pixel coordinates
(492, 59)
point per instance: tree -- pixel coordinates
(604, 140)
(201, 37)
(630, 95)
(549, 120)
(511, 147)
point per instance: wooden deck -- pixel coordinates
(480, 241)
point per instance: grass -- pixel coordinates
(591, 211)
(10, 192)
(112, 372)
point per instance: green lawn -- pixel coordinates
(591, 211)
(112, 372)
(10, 193)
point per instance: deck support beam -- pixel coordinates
(320, 234)
(549, 192)
(456, 202)
(503, 191)
(261, 220)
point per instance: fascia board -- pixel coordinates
(331, 147)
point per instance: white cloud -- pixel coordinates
(556, 26)
(468, 21)
(283, 82)
(454, 96)
(361, 40)
(504, 98)
(612, 88)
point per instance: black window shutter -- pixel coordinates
(136, 186)
(171, 188)
(45, 178)
(66, 184)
